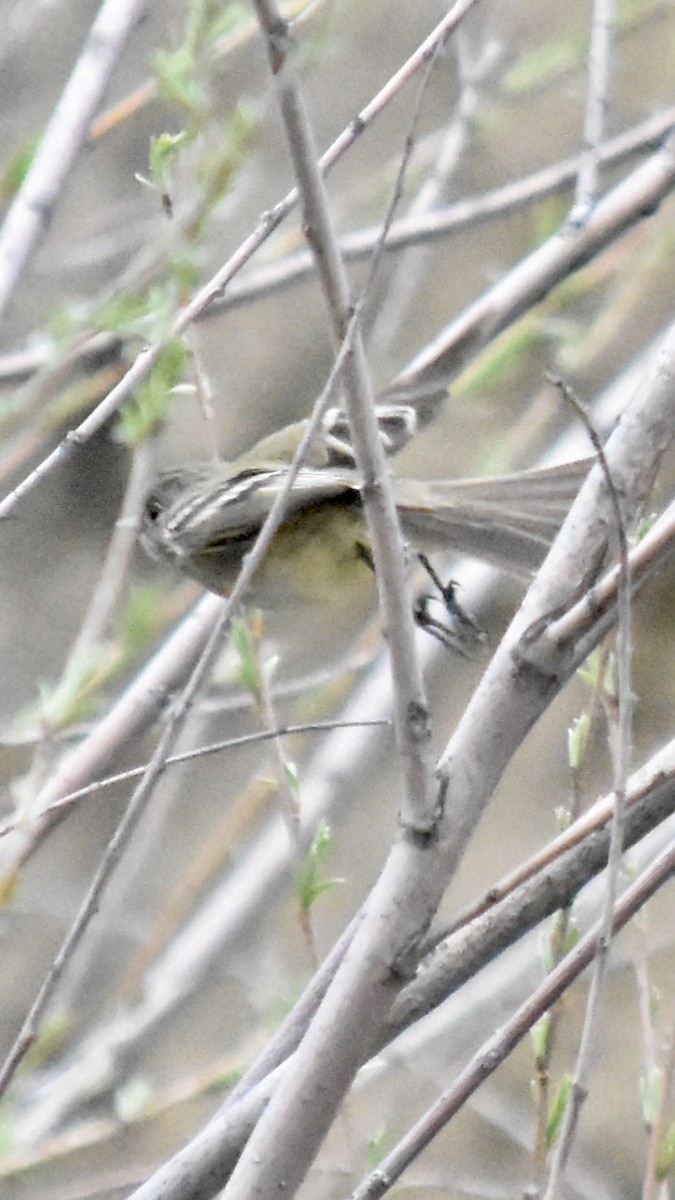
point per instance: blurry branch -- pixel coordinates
(597, 90)
(65, 134)
(407, 231)
(120, 840)
(639, 194)
(451, 143)
(416, 229)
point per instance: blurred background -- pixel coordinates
(151, 1040)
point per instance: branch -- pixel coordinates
(66, 132)
(638, 195)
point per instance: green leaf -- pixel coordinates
(217, 170)
(666, 1155)
(310, 885)
(558, 1109)
(577, 740)
(248, 668)
(377, 1146)
(163, 149)
(65, 321)
(141, 415)
(18, 165)
(228, 20)
(651, 1090)
(123, 313)
(590, 670)
(540, 1035)
(292, 777)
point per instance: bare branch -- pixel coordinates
(596, 108)
(63, 138)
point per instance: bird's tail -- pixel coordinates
(509, 520)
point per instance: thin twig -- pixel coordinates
(620, 749)
(413, 268)
(66, 803)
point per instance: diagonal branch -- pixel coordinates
(65, 134)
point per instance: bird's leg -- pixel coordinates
(442, 616)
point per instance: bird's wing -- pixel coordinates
(205, 518)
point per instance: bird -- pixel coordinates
(204, 518)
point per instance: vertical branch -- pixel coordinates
(620, 748)
(411, 720)
(596, 109)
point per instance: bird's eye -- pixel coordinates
(153, 509)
